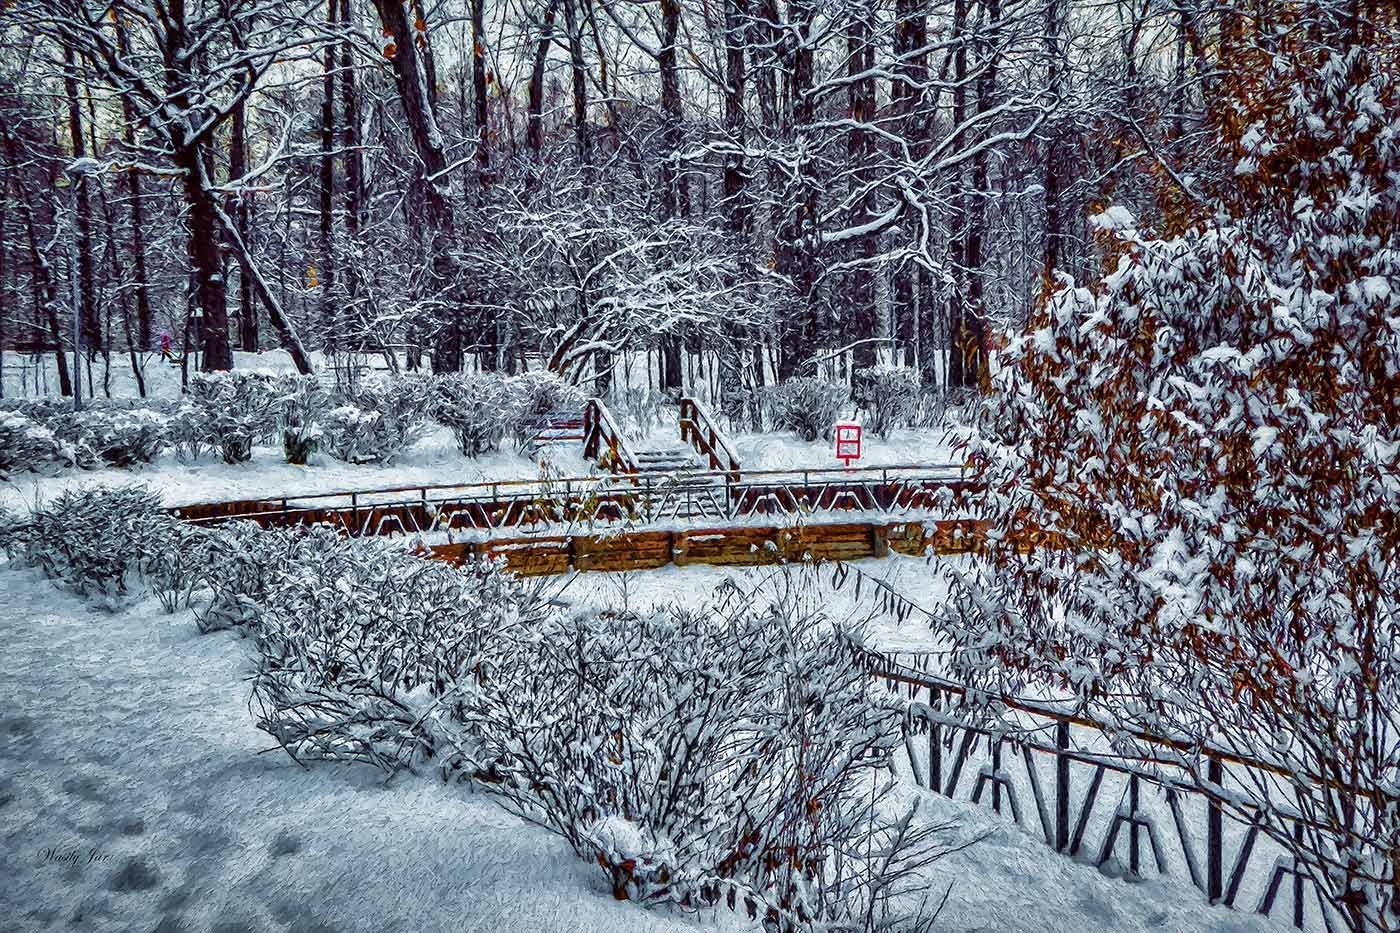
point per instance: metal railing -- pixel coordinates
(1051, 771)
(602, 501)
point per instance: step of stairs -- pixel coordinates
(668, 460)
(559, 427)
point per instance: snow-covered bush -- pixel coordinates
(889, 395)
(237, 409)
(371, 653)
(99, 541)
(808, 405)
(1212, 433)
(697, 756)
(187, 432)
(480, 408)
(300, 403)
(539, 393)
(26, 446)
(248, 559)
(120, 437)
(375, 423)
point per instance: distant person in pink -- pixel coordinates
(165, 344)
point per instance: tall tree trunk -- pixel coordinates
(906, 91)
(796, 246)
(582, 135)
(42, 280)
(326, 204)
(534, 120)
(92, 332)
(413, 75)
(957, 220)
(144, 315)
(975, 366)
(350, 128)
(239, 209)
(675, 186)
(203, 250)
(1055, 70)
(489, 329)
(860, 158)
(736, 207)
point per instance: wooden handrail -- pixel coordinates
(699, 428)
(598, 429)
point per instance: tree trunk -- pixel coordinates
(906, 90)
(413, 75)
(1055, 69)
(675, 186)
(41, 273)
(796, 247)
(203, 250)
(350, 129)
(144, 316)
(580, 87)
(860, 157)
(975, 365)
(736, 207)
(92, 333)
(957, 221)
(241, 212)
(534, 120)
(326, 204)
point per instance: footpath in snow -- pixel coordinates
(134, 797)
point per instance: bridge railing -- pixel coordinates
(698, 428)
(604, 442)
(600, 500)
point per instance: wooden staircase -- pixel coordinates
(707, 450)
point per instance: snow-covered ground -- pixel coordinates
(134, 798)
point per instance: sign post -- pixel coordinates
(847, 442)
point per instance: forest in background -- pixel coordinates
(468, 184)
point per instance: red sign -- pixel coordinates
(847, 442)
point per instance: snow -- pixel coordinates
(134, 799)
(127, 746)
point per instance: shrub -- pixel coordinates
(373, 424)
(693, 755)
(121, 437)
(479, 408)
(300, 403)
(539, 393)
(99, 541)
(187, 431)
(238, 411)
(808, 405)
(26, 446)
(369, 652)
(889, 394)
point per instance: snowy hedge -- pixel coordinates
(100, 542)
(26, 446)
(300, 404)
(376, 422)
(120, 437)
(808, 405)
(889, 395)
(371, 653)
(480, 408)
(236, 410)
